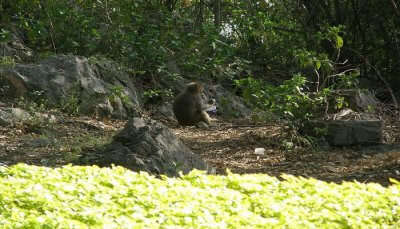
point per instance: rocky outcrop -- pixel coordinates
(148, 146)
(76, 84)
(228, 104)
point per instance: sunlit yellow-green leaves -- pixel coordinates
(92, 197)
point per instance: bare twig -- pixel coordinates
(334, 75)
(344, 72)
(318, 78)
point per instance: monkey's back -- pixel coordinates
(187, 108)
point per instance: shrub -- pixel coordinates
(92, 197)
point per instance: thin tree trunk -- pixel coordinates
(200, 15)
(217, 13)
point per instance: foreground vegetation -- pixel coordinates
(92, 197)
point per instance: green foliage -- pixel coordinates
(36, 102)
(340, 102)
(288, 100)
(144, 35)
(347, 80)
(71, 104)
(317, 62)
(115, 28)
(118, 92)
(7, 61)
(5, 35)
(332, 34)
(90, 197)
(157, 95)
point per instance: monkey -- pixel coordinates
(188, 107)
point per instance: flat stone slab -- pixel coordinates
(347, 132)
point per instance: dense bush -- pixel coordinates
(92, 197)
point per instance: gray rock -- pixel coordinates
(365, 100)
(149, 146)
(9, 116)
(228, 104)
(347, 133)
(90, 87)
(359, 100)
(164, 111)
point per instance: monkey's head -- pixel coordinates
(194, 88)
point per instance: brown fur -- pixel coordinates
(187, 106)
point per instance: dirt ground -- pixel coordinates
(223, 146)
(234, 149)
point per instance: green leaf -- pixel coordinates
(318, 65)
(339, 42)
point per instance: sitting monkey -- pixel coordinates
(188, 108)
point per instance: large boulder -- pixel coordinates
(75, 83)
(228, 104)
(147, 145)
